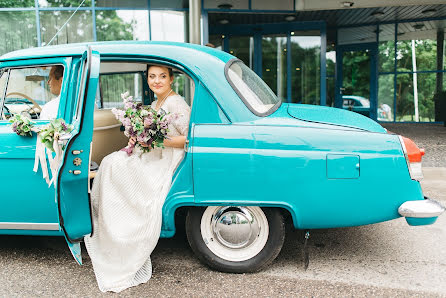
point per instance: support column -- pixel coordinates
(194, 21)
(440, 96)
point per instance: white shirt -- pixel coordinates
(49, 110)
(386, 108)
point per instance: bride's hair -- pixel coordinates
(169, 69)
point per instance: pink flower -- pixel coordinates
(119, 114)
(129, 105)
(126, 122)
(164, 125)
(142, 137)
(124, 95)
(148, 121)
(128, 149)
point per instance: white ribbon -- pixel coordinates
(41, 156)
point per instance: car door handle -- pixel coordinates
(63, 139)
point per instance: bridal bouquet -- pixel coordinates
(143, 123)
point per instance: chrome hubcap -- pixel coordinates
(234, 233)
(235, 227)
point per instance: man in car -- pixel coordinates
(49, 110)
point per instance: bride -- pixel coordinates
(128, 195)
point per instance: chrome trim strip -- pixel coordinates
(29, 226)
(107, 127)
(421, 209)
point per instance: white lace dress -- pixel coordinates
(127, 199)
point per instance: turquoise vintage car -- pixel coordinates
(251, 161)
(356, 104)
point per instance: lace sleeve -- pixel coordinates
(182, 110)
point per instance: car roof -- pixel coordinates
(117, 47)
(356, 97)
(207, 63)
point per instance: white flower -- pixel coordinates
(124, 95)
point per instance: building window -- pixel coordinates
(78, 29)
(18, 30)
(61, 3)
(305, 67)
(125, 4)
(168, 25)
(122, 25)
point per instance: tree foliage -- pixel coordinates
(109, 26)
(19, 27)
(425, 52)
(16, 4)
(356, 73)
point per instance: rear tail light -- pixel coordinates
(413, 156)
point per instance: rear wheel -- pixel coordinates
(235, 239)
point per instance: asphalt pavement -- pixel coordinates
(389, 259)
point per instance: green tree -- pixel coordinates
(274, 64)
(16, 4)
(426, 60)
(109, 26)
(386, 63)
(18, 28)
(356, 73)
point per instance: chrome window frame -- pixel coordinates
(245, 101)
(82, 75)
(3, 94)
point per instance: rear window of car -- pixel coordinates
(254, 92)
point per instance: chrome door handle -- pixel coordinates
(63, 139)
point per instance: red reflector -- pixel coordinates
(413, 152)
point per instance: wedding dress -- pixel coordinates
(127, 199)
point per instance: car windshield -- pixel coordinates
(254, 92)
(365, 102)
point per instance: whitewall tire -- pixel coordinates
(234, 238)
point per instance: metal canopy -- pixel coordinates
(334, 17)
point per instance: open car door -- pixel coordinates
(72, 182)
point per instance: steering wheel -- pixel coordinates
(36, 107)
(5, 112)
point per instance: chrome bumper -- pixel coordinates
(421, 209)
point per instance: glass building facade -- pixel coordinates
(348, 58)
(30, 23)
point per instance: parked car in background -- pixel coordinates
(357, 104)
(251, 161)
